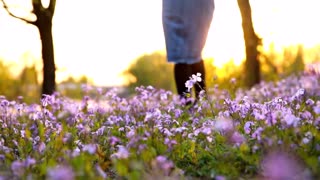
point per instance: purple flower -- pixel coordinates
(41, 147)
(130, 133)
(177, 113)
(122, 153)
(164, 164)
(47, 100)
(316, 108)
(206, 130)
(2, 157)
(170, 142)
(233, 80)
(163, 96)
(257, 133)
(309, 102)
(114, 140)
(101, 172)
(306, 115)
(18, 168)
(179, 129)
(305, 140)
(281, 165)
(220, 178)
(291, 120)
(193, 80)
(101, 130)
(29, 161)
(61, 173)
(75, 152)
(223, 124)
(301, 92)
(90, 148)
(4, 103)
(237, 138)
(247, 127)
(189, 84)
(167, 132)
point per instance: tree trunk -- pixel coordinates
(45, 30)
(252, 41)
(44, 24)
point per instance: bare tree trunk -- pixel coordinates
(45, 31)
(252, 41)
(44, 25)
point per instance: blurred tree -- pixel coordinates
(29, 79)
(151, 69)
(28, 84)
(270, 64)
(298, 63)
(43, 22)
(293, 62)
(72, 87)
(252, 42)
(211, 72)
(8, 83)
(154, 70)
(228, 72)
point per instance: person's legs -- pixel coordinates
(199, 68)
(186, 24)
(182, 73)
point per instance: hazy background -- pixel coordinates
(100, 38)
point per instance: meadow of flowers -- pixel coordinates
(268, 132)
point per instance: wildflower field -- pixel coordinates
(268, 132)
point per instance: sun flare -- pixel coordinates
(100, 39)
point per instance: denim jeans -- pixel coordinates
(186, 24)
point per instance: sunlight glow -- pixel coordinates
(99, 39)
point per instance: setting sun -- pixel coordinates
(101, 38)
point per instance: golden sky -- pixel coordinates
(99, 38)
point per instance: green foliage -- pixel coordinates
(154, 70)
(292, 60)
(14, 85)
(71, 87)
(211, 72)
(151, 69)
(8, 84)
(150, 135)
(26, 85)
(230, 74)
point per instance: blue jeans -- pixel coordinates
(186, 24)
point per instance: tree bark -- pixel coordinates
(252, 41)
(44, 24)
(45, 31)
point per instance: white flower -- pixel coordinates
(189, 84)
(193, 80)
(197, 78)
